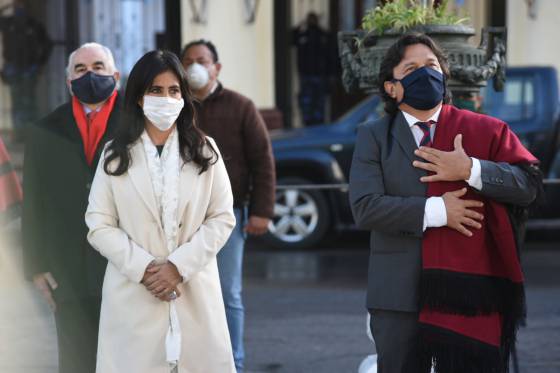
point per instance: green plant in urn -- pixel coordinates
(362, 51)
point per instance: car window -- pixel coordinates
(366, 109)
(375, 112)
(515, 103)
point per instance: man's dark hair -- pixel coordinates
(207, 43)
(394, 56)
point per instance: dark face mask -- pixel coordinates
(424, 88)
(92, 88)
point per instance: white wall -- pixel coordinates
(476, 10)
(246, 50)
(533, 41)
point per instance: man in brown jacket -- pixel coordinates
(241, 135)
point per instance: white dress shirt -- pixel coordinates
(435, 214)
(87, 110)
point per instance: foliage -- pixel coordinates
(402, 15)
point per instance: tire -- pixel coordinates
(301, 217)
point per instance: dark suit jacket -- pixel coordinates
(387, 198)
(56, 183)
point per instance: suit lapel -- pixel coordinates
(400, 130)
(140, 176)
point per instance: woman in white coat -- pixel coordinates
(159, 210)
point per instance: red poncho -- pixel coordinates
(472, 296)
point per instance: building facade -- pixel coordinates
(254, 40)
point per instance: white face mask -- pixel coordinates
(197, 76)
(162, 111)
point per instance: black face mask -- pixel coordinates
(424, 88)
(92, 88)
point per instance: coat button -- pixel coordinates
(88, 186)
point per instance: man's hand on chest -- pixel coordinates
(447, 166)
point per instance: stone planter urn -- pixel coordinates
(470, 66)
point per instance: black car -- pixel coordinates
(321, 155)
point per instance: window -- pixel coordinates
(515, 103)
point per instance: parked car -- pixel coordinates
(322, 155)
(530, 105)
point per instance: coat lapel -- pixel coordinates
(140, 176)
(187, 182)
(403, 135)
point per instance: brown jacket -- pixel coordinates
(232, 120)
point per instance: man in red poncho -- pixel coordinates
(441, 190)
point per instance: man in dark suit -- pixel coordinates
(388, 193)
(61, 157)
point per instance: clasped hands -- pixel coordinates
(452, 166)
(162, 280)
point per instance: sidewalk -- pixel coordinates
(292, 326)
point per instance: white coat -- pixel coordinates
(126, 228)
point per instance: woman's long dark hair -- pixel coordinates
(191, 139)
(394, 56)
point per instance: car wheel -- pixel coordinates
(301, 217)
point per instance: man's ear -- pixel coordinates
(117, 76)
(69, 85)
(218, 68)
(390, 89)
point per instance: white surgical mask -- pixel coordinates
(197, 76)
(162, 111)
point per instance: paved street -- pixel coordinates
(305, 311)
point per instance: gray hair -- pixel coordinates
(108, 54)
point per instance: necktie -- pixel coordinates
(90, 117)
(425, 127)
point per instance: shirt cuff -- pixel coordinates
(475, 180)
(435, 214)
